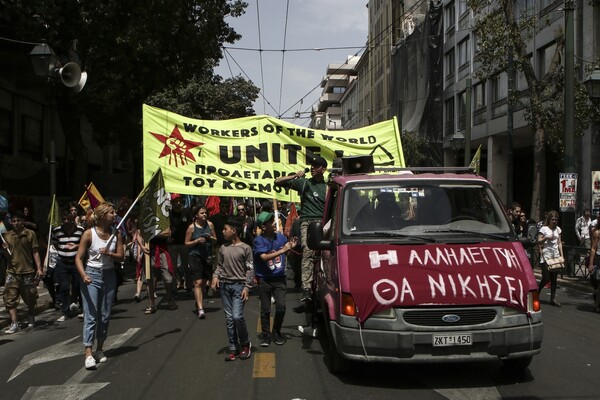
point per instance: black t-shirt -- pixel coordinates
(179, 224)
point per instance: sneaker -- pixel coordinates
(80, 316)
(90, 363)
(13, 328)
(266, 340)
(137, 298)
(278, 338)
(231, 356)
(74, 308)
(201, 314)
(62, 318)
(30, 321)
(100, 357)
(246, 351)
(306, 295)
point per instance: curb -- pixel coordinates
(572, 282)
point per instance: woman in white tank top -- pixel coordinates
(102, 246)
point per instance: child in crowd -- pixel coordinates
(234, 276)
(270, 259)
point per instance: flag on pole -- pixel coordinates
(155, 203)
(54, 216)
(475, 163)
(91, 197)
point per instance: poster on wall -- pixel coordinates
(567, 191)
(595, 192)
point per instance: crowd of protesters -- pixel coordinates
(224, 246)
(85, 254)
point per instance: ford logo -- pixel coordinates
(450, 318)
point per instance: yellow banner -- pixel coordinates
(242, 157)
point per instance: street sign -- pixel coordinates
(567, 191)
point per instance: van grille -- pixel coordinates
(473, 316)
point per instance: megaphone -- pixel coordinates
(77, 88)
(70, 74)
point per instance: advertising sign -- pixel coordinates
(595, 192)
(567, 191)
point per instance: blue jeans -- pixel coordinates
(233, 305)
(66, 275)
(97, 300)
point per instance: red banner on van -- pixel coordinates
(384, 276)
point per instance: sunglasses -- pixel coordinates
(241, 209)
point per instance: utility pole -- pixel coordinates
(468, 109)
(569, 8)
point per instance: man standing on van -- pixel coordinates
(312, 200)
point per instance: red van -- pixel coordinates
(422, 266)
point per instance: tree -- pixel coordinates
(500, 32)
(130, 50)
(204, 98)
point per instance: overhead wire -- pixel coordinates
(379, 39)
(262, 77)
(287, 10)
(250, 80)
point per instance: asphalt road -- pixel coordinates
(172, 354)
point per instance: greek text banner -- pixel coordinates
(242, 157)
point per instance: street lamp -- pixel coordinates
(592, 83)
(43, 60)
(457, 141)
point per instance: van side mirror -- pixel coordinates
(314, 236)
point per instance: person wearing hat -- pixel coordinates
(270, 250)
(312, 200)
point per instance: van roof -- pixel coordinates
(407, 176)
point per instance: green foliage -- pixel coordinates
(499, 32)
(208, 98)
(130, 49)
(415, 148)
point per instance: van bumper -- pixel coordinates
(417, 347)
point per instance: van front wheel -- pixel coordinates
(335, 362)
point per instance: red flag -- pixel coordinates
(212, 205)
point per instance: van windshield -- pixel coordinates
(431, 209)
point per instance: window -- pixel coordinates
(449, 15)
(479, 96)
(463, 52)
(545, 59)
(524, 9)
(499, 87)
(462, 7)
(449, 63)
(338, 89)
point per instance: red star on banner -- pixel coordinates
(176, 147)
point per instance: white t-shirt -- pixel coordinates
(550, 246)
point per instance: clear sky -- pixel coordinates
(311, 24)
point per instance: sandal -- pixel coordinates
(150, 310)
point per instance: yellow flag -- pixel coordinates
(242, 157)
(54, 215)
(476, 161)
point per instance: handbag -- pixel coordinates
(555, 263)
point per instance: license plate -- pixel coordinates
(461, 339)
